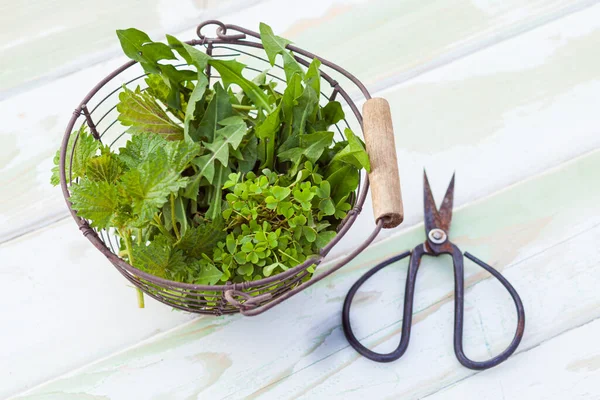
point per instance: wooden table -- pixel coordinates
(507, 94)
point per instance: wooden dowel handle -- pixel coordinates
(384, 176)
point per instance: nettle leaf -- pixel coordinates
(202, 239)
(274, 45)
(86, 147)
(151, 184)
(139, 47)
(354, 153)
(181, 153)
(218, 109)
(159, 258)
(158, 88)
(231, 73)
(139, 147)
(96, 201)
(142, 114)
(105, 167)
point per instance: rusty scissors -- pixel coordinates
(437, 226)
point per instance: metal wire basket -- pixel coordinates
(98, 112)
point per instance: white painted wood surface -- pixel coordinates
(499, 91)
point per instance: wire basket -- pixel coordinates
(98, 112)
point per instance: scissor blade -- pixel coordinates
(432, 217)
(445, 211)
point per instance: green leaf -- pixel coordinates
(313, 79)
(158, 88)
(151, 184)
(303, 111)
(331, 114)
(96, 201)
(86, 147)
(274, 45)
(105, 167)
(311, 147)
(202, 238)
(139, 148)
(209, 274)
(142, 114)
(159, 258)
(280, 193)
(343, 179)
(181, 153)
(327, 206)
(190, 54)
(354, 153)
(231, 73)
(216, 195)
(218, 109)
(139, 47)
(249, 155)
(226, 137)
(323, 238)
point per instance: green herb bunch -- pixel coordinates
(232, 182)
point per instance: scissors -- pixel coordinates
(437, 226)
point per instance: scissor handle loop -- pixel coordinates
(459, 311)
(354, 342)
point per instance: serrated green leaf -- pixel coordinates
(96, 201)
(181, 153)
(159, 258)
(202, 238)
(151, 184)
(105, 167)
(139, 147)
(142, 114)
(86, 147)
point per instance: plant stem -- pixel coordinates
(173, 221)
(241, 107)
(127, 237)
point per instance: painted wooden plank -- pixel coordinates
(542, 238)
(42, 113)
(566, 367)
(41, 40)
(62, 305)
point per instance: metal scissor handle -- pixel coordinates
(415, 260)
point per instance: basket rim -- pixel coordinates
(132, 272)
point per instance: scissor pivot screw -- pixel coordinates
(437, 236)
